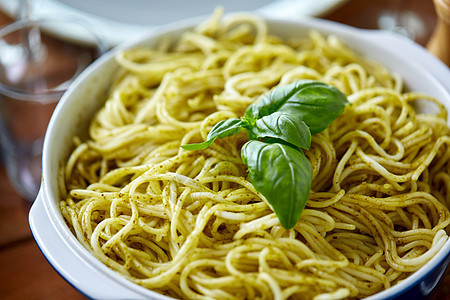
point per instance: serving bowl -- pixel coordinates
(420, 71)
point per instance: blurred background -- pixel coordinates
(24, 272)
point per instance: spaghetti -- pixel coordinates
(189, 224)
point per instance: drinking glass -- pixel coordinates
(402, 17)
(38, 61)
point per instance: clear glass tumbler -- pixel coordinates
(38, 61)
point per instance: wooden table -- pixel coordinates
(25, 273)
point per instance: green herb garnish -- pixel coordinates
(278, 127)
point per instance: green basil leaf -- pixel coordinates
(282, 174)
(316, 103)
(282, 126)
(271, 102)
(198, 146)
(224, 128)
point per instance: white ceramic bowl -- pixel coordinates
(421, 72)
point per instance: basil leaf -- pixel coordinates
(271, 102)
(224, 128)
(198, 146)
(282, 126)
(282, 174)
(316, 103)
(284, 120)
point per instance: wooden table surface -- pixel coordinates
(25, 273)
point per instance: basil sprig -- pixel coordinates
(279, 126)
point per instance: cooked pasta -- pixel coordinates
(190, 225)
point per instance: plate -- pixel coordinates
(95, 280)
(118, 20)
